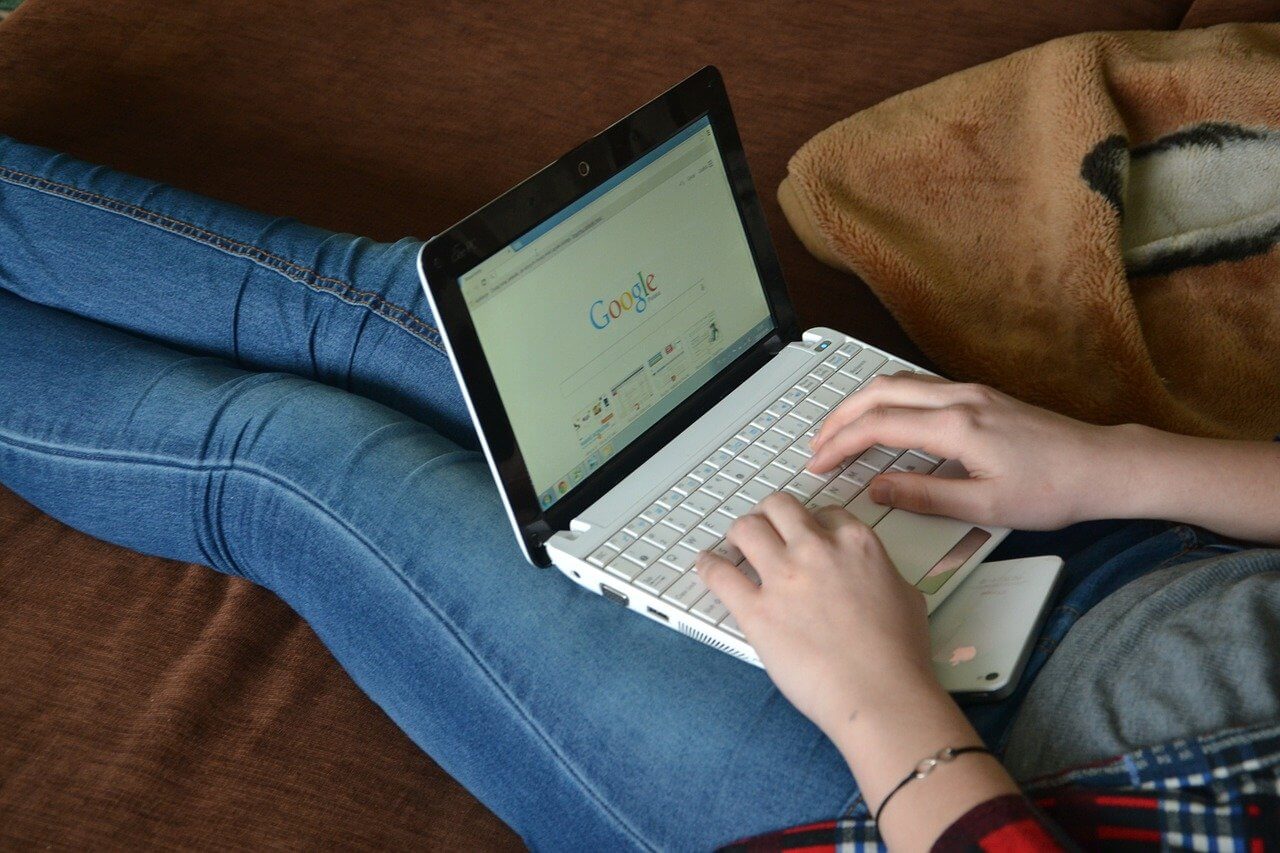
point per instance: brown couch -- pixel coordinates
(147, 703)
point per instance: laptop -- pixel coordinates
(621, 331)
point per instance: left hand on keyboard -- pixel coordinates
(835, 625)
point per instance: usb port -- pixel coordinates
(613, 595)
(658, 613)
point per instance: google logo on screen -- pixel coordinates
(635, 299)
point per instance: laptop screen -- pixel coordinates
(609, 314)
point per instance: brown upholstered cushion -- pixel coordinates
(150, 703)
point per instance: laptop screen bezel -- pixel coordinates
(455, 252)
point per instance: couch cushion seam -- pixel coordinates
(377, 303)
(302, 494)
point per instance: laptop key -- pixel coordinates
(737, 506)
(863, 365)
(756, 491)
(602, 556)
(686, 591)
(738, 471)
(699, 539)
(796, 394)
(913, 464)
(775, 476)
(680, 558)
(718, 523)
(765, 421)
(671, 499)
(826, 397)
(876, 459)
(683, 518)
(780, 408)
(842, 490)
(808, 383)
(730, 624)
(793, 460)
(621, 540)
(720, 486)
(809, 411)
(821, 372)
(719, 458)
(638, 526)
(824, 498)
(700, 503)
(842, 384)
(704, 472)
(866, 510)
(756, 455)
(732, 447)
(729, 552)
(624, 568)
(805, 485)
(751, 432)
(848, 348)
(663, 535)
(774, 440)
(643, 554)
(710, 608)
(790, 426)
(656, 578)
(654, 512)
(857, 475)
(688, 485)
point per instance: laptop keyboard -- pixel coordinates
(656, 550)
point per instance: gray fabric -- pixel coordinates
(1188, 650)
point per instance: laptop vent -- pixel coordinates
(710, 641)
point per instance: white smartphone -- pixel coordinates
(982, 634)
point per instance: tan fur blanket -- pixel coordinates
(1089, 224)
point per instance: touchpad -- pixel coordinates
(918, 543)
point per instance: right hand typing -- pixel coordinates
(1028, 468)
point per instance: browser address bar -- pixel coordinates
(500, 280)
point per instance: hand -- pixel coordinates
(833, 622)
(846, 640)
(1028, 468)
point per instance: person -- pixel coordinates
(195, 380)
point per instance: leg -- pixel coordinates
(263, 292)
(576, 722)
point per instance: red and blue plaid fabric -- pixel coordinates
(1216, 793)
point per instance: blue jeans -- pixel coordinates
(198, 381)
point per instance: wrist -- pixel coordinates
(881, 735)
(1125, 479)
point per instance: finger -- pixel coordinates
(965, 499)
(727, 583)
(759, 542)
(899, 390)
(835, 518)
(787, 515)
(936, 431)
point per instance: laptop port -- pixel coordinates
(659, 614)
(613, 595)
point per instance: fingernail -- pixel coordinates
(881, 492)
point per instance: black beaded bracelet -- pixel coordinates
(922, 769)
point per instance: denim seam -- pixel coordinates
(297, 491)
(395, 314)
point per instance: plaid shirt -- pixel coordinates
(1218, 792)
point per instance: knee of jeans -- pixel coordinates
(299, 452)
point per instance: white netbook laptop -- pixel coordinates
(622, 335)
